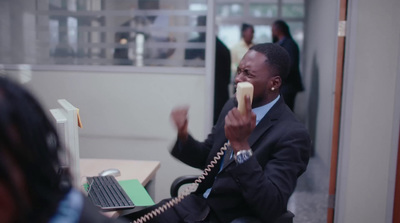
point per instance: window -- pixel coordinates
(230, 10)
(264, 10)
(293, 9)
(98, 32)
(261, 14)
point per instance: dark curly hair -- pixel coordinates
(283, 27)
(29, 139)
(246, 26)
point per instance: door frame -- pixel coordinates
(396, 203)
(395, 162)
(340, 59)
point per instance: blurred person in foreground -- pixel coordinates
(293, 83)
(32, 186)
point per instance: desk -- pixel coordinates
(144, 171)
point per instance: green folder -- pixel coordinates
(136, 192)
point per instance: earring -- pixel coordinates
(272, 89)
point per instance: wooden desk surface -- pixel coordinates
(142, 170)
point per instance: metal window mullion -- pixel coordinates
(132, 13)
(116, 69)
(246, 9)
(280, 9)
(253, 20)
(184, 29)
(157, 45)
(42, 21)
(210, 64)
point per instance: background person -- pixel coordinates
(241, 48)
(292, 84)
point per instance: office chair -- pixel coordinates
(287, 217)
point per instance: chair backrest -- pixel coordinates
(179, 182)
(287, 217)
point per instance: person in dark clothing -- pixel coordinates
(222, 77)
(293, 83)
(221, 70)
(121, 53)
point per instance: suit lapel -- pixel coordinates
(227, 157)
(261, 128)
(267, 122)
(219, 141)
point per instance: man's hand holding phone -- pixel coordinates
(238, 127)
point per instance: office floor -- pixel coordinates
(309, 202)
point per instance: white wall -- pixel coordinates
(123, 104)
(126, 115)
(319, 74)
(370, 118)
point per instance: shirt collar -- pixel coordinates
(245, 44)
(281, 41)
(70, 208)
(263, 110)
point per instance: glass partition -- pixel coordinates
(230, 10)
(99, 32)
(261, 14)
(264, 10)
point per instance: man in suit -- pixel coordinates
(292, 84)
(269, 149)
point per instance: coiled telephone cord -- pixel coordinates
(191, 188)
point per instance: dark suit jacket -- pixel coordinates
(293, 82)
(263, 184)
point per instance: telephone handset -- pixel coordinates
(243, 89)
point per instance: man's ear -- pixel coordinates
(276, 82)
